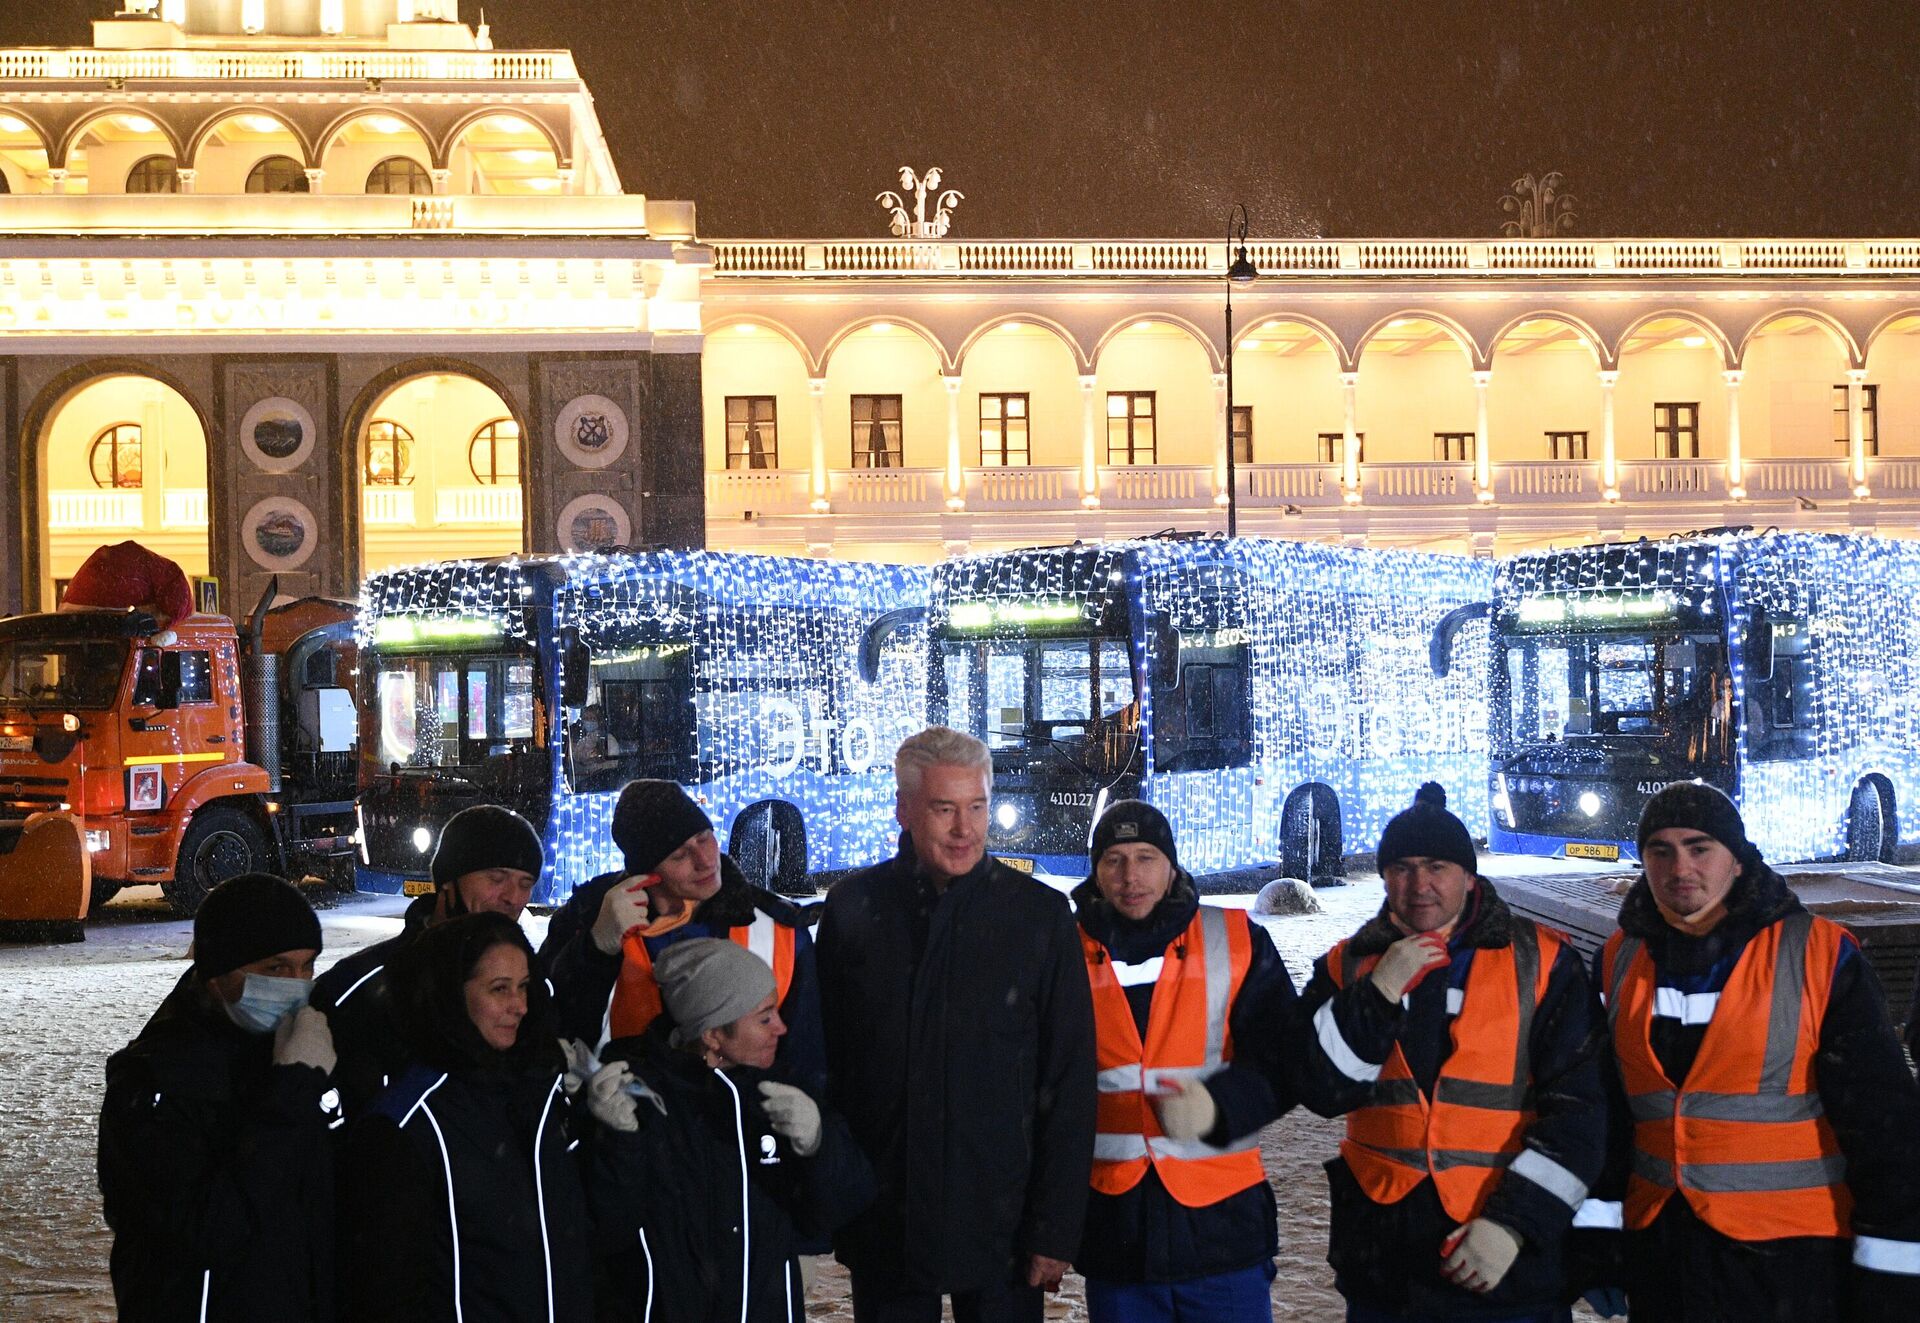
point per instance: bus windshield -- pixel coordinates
(453, 709)
(1637, 685)
(1018, 692)
(61, 672)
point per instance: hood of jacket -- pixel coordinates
(1759, 897)
(1487, 922)
(428, 984)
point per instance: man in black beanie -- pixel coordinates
(1459, 1040)
(487, 861)
(215, 1165)
(675, 885)
(1776, 1173)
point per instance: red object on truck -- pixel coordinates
(127, 574)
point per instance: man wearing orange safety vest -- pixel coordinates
(1180, 1227)
(675, 886)
(1766, 1162)
(1462, 1043)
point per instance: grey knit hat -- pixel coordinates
(708, 982)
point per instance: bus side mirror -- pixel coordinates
(1440, 646)
(874, 641)
(577, 663)
(1759, 648)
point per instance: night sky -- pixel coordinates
(1151, 117)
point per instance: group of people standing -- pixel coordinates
(969, 1084)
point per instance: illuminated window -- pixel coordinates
(1243, 434)
(1869, 417)
(1130, 418)
(154, 174)
(753, 432)
(494, 454)
(877, 438)
(1332, 448)
(1566, 445)
(1676, 431)
(399, 175)
(114, 457)
(1455, 446)
(1003, 431)
(389, 455)
(277, 174)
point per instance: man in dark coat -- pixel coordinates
(1449, 1006)
(1706, 901)
(960, 1048)
(215, 1162)
(487, 861)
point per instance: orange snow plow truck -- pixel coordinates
(133, 754)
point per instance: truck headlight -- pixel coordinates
(98, 839)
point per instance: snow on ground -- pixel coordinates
(65, 1009)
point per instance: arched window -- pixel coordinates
(389, 454)
(5, 187)
(114, 457)
(277, 174)
(154, 174)
(399, 175)
(494, 454)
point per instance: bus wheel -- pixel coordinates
(769, 843)
(1310, 839)
(220, 843)
(1868, 820)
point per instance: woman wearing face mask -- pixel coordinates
(215, 1161)
(461, 1199)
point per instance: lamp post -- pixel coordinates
(1240, 272)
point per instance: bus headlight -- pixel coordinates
(1590, 804)
(1007, 815)
(422, 839)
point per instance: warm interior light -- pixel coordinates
(543, 185)
(260, 123)
(1399, 322)
(1694, 341)
(12, 124)
(882, 328)
(386, 124)
(747, 328)
(528, 155)
(138, 124)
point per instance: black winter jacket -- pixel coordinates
(960, 1044)
(1870, 1098)
(216, 1172)
(359, 1010)
(583, 976)
(1146, 1234)
(1388, 1255)
(705, 1198)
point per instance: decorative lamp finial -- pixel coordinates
(917, 226)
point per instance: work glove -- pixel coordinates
(793, 1115)
(1408, 961)
(1188, 1112)
(304, 1039)
(580, 1065)
(1478, 1255)
(624, 908)
(608, 1100)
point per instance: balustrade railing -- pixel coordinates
(313, 66)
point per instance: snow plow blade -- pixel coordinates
(46, 882)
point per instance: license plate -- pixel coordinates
(16, 743)
(1024, 865)
(1591, 850)
(416, 888)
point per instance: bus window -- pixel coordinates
(447, 710)
(1202, 725)
(637, 721)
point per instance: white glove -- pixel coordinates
(1187, 1113)
(793, 1115)
(624, 908)
(1408, 961)
(304, 1039)
(608, 1100)
(581, 1065)
(1479, 1254)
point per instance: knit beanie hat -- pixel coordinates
(485, 836)
(653, 819)
(708, 982)
(1134, 821)
(1700, 808)
(1427, 831)
(249, 918)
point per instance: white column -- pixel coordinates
(57, 179)
(1857, 432)
(569, 179)
(1221, 432)
(187, 176)
(1482, 452)
(1350, 442)
(817, 391)
(1736, 464)
(956, 471)
(1609, 458)
(441, 179)
(1089, 447)
(316, 179)
(332, 17)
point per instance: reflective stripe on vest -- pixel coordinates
(1746, 1141)
(1474, 1128)
(635, 1003)
(1188, 1037)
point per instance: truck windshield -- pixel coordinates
(61, 672)
(452, 710)
(1638, 685)
(1017, 692)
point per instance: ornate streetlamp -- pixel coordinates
(1240, 272)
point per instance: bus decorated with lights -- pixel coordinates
(1783, 669)
(548, 683)
(1276, 699)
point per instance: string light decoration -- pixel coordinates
(1258, 668)
(738, 676)
(1782, 668)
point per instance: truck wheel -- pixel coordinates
(220, 843)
